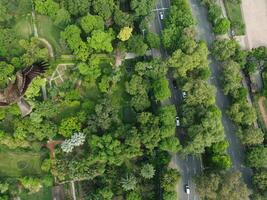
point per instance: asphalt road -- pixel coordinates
(236, 149)
(188, 165)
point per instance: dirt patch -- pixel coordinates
(51, 146)
(262, 109)
(255, 16)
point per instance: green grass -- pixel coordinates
(10, 162)
(23, 27)
(47, 30)
(43, 194)
(235, 16)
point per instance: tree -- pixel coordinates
(214, 12)
(32, 184)
(92, 22)
(133, 196)
(142, 7)
(171, 144)
(260, 179)
(62, 17)
(222, 26)
(148, 171)
(6, 70)
(215, 186)
(9, 43)
(252, 136)
(101, 41)
(77, 7)
(103, 8)
(172, 195)
(47, 7)
(153, 40)
(34, 88)
(231, 77)
(137, 45)
(242, 113)
(221, 162)
(4, 14)
(170, 179)
(69, 125)
(3, 187)
(161, 89)
(257, 157)
(125, 33)
(122, 19)
(77, 139)
(224, 49)
(129, 183)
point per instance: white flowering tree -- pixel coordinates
(77, 139)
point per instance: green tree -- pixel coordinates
(221, 162)
(3, 187)
(62, 17)
(170, 179)
(6, 70)
(133, 196)
(47, 7)
(92, 22)
(224, 49)
(101, 41)
(77, 7)
(103, 8)
(4, 14)
(252, 136)
(222, 26)
(214, 12)
(231, 77)
(69, 125)
(142, 7)
(129, 183)
(171, 195)
(147, 171)
(153, 40)
(31, 184)
(260, 179)
(122, 19)
(171, 144)
(257, 157)
(161, 89)
(215, 186)
(137, 45)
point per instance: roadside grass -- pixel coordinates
(18, 164)
(47, 30)
(235, 16)
(45, 193)
(259, 115)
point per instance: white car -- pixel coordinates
(177, 121)
(187, 189)
(161, 15)
(184, 94)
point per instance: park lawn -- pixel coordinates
(23, 27)
(44, 194)
(18, 164)
(234, 14)
(47, 30)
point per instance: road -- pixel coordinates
(236, 149)
(188, 165)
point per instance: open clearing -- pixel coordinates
(255, 16)
(16, 164)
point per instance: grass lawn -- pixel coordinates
(43, 194)
(235, 16)
(49, 31)
(23, 27)
(17, 164)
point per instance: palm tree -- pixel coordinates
(129, 182)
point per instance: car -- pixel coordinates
(177, 121)
(184, 94)
(161, 15)
(187, 189)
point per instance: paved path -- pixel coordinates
(262, 109)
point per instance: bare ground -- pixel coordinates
(262, 109)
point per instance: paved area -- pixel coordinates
(255, 16)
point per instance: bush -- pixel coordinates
(222, 26)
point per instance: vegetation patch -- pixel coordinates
(17, 164)
(44, 194)
(234, 13)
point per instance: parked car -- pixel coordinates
(177, 121)
(187, 189)
(161, 15)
